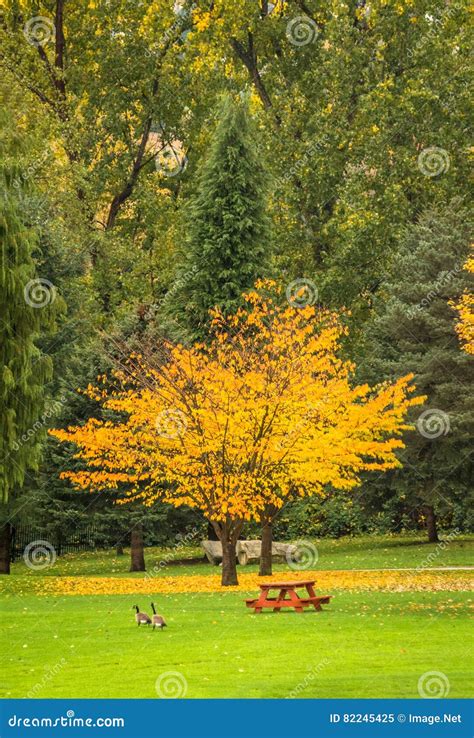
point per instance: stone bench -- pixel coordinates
(248, 552)
(213, 551)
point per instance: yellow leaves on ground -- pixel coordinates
(327, 582)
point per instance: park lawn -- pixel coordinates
(367, 644)
(363, 552)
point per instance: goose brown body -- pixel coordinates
(141, 617)
(157, 620)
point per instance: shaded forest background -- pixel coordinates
(353, 118)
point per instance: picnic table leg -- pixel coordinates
(295, 600)
(261, 600)
(281, 597)
(312, 593)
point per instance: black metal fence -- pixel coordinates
(78, 539)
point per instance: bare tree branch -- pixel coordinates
(248, 57)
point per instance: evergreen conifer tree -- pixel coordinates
(26, 305)
(414, 331)
(228, 231)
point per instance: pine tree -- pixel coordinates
(415, 331)
(25, 307)
(227, 226)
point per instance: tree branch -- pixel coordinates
(35, 90)
(137, 165)
(304, 8)
(127, 190)
(59, 48)
(248, 57)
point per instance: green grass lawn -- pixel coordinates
(366, 552)
(364, 644)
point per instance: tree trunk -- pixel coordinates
(119, 549)
(137, 562)
(431, 527)
(5, 543)
(228, 539)
(228, 534)
(229, 564)
(266, 551)
(211, 533)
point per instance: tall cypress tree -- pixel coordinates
(414, 331)
(24, 369)
(228, 234)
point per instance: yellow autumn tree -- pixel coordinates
(465, 308)
(265, 411)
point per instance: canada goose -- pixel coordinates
(141, 617)
(157, 620)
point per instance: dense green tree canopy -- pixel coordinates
(357, 113)
(348, 95)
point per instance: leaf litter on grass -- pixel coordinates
(381, 581)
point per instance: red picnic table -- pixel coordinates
(294, 600)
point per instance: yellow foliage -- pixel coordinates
(266, 411)
(202, 20)
(465, 308)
